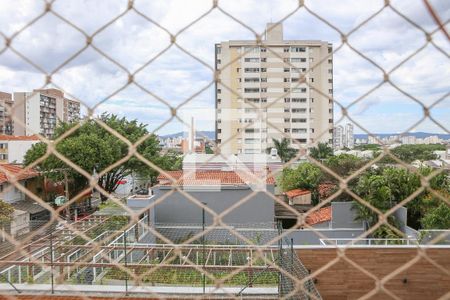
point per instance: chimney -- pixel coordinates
(274, 32)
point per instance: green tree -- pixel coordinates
(437, 218)
(6, 211)
(374, 189)
(345, 164)
(284, 151)
(322, 151)
(409, 153)
(305, 176)
(92, 147)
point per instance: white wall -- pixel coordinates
(18, 149)
(32, 117)
(11, 194)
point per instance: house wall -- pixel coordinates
(343, 216)
(342, 281)
(176, 208)
(11, 194)
(18, 149)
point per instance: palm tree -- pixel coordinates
(322, 151)
(284, 151)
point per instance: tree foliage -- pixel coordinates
(322, 151)
(409, 153)
(6, 211)
(437, 218)
(93, 148)
(345, 164)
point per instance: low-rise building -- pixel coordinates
(13, 148)
(28, 213)
(219, 191)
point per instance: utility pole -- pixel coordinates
(66, 187)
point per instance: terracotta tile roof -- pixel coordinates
(326, 189)
(319, 216)
(210, 177)
(296, 193)
(4, 137)
(8, 171)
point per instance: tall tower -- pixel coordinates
(260, 95)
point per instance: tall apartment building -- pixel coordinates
(349, 137)
(253, 77)
(338, 137)
(6, 124)
(343, 136)
(40, 111)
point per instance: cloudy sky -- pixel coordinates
(173, 76)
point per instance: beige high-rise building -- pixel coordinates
(40, 110)
(261, 94)
(6, 124)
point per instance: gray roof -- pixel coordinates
(29, 206)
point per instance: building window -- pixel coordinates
(263, 100)
(286, 100)
(299, 110)
(287, 79)
(219, 130)
(251, 90)
(263, 59)
(263, 79)
(263, 90)
(238, 69)
(301, 140)
(285, 60)
(330, 91)
(286, 50)
(263, 49)
(263, 70)
(330, 50)
(299, 90)
(251, 70)
(330, 61)
(330, 80)
(299, 100)
(296, 120)
(219, 91)
(287, 130)
(287, 120)
(298, 130)
(298, 59)
(286, 70)
(295, 79)
(311, 79)
(219, 61)
(298, 49)
(286, 110)
(330, 121)
(251, 59)
(251, 79)
(330, 71)
(286, 90)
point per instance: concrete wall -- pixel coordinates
(11, 194)
(176, 208)
(18, 149)
(343, 216)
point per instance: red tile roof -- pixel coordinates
(9, 171)
(319, 216)
(211, 177)
(4, 137)
(296, 193)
